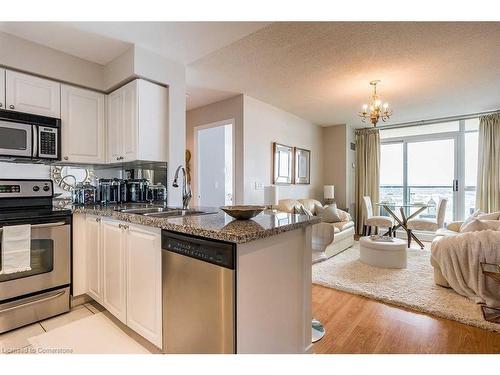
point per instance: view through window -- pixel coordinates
(424, 163)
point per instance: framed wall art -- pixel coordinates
(282, 164)
(302, 166)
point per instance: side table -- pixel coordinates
(492, 271)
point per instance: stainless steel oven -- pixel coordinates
(25, 136)
(43, 291)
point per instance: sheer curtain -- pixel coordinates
(367, 171)
(488, 171)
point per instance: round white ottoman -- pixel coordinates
(383, 254)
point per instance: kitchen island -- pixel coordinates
(271, 302)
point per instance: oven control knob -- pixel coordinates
(36, 188)
(46, 188)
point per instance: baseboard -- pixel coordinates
(80, 300)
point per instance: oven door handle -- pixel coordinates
(34, 302)
(45, 225)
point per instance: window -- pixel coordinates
(423, 163)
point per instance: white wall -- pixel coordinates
(338, 161)
(265, 124)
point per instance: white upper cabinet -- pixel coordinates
(2, 88)
(138, 123)
(83, 123)
(30, 94)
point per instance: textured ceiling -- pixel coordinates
(101, 42)
(320, 71)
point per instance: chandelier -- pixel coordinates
(375, 110)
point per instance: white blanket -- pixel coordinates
(459, 258)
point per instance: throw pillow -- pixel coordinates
(344, 216)
(490, 216)
(478, 225)
(471, 218)
(299, 209)
(329, 214)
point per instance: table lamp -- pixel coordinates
(271, 196)
(329, 194)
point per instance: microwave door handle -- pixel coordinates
(34, 150)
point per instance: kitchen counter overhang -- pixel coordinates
(216, 225)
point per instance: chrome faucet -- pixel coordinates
(186, 188)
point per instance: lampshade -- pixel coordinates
(329, 192)
(271, 195)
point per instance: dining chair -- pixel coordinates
(431, 225)
(375, 221)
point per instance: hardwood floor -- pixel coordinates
(356, 324)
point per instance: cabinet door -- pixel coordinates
(113, 244)
(152, 117)
(115, 121)
(79, 234)
(26, 93)
(2, 88)
(144, 283)
(94, 257)
(129, 124)
(83, 125)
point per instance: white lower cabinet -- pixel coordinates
(94, 257)
(122, 271)
(144, 289)
(113, 254)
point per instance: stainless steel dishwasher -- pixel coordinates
(198, 295)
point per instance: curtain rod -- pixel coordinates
(437, 120)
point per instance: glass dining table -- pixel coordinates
(402, 220)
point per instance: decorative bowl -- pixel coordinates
(243, 212)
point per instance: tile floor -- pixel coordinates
(16, 341)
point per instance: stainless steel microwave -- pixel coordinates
(26, 136)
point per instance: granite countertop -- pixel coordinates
(216, 225)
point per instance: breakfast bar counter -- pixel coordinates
(212, 224)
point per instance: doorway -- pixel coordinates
(214, 164)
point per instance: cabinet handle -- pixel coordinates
(1, 105)
(120, 226)
(98, 219)
(125, 226)
(66, 158)
(11, 106)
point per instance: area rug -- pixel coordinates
(95, 334)
(413, 287)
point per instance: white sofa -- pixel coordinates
(328, 239)
(452, 229)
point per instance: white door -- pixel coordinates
(83, 125)
(144, 283)
(114, 128)
(26, 93)
(2, 88)
(94, 257)
(129, 123)
(214, 165)
(113, 245)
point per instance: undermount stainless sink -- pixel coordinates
(174, 213)
(143, 211)
(164, 212)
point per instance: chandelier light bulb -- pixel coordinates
(386, 105)
(365, 107)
